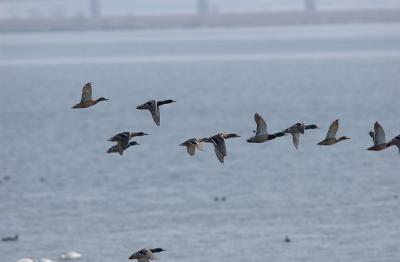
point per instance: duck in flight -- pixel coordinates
(218, 141)
(330, 138)
(297, 129)
(261, 132)
(379, 139)
(123, 143)
(146, 254)
(86, 99)
(192, 144)
(154, 107)
(121, 135)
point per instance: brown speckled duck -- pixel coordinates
(86, 99)
(330, 138)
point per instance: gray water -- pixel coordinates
(336, 203)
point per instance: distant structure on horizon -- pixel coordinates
(311, 5)
(203, 7)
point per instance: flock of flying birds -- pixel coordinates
(261, 135)
(123, 142)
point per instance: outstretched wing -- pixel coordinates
(155, 112)
(261, 125)
(379, 137)
(333, 128)
(296, 138)
(190, 149)
(87, 92)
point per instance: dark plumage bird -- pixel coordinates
(86, 99)
(13, 238)
(154, 107)
(297, 129)
(218, 141)
(123, 143)
(261, 132)
(123, 135)
(146, 254)
(330, 138)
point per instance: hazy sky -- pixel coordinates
(48, 8)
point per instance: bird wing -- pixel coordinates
(190, 149)
(296, 138)
(155, 112)
(261, 125)
(219, 147)
(379, 137)
(119, 136)
(87, 93)
(219, 154)
(333, 128)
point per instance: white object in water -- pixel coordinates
(26, 260)
(70, 255)
(45, 260)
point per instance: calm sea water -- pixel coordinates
(336, 203)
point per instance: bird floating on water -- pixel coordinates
(146, 254)
(7, 239)
(45, 260)
(261, 132)
(154, 107)
(218, 141)
(191, 145)
(330, 138)
(379, 139)
(31, 259)
(72, 255)
(297, 129)
(86, 99)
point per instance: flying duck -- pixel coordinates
(261, 132)
(378, 137)
(330, 138)
(218, 141)
(122, 135)
(13, 238)
(123, 143)
(86, 100)
(154, 107)
(146, 254)
(297, 129)
(192, 144)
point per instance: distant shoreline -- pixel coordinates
(199, 21)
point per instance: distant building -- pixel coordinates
(203, 7)
(310, 5)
